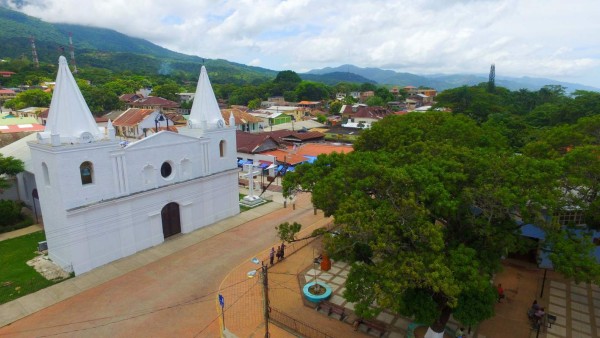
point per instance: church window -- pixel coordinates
(222, 148)
(46, 174)
(86, 170)
(166, 169)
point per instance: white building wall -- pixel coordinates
(121, 227)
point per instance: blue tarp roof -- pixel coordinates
(311, 159)
(530, 230)
(280, 167)
(290, 169)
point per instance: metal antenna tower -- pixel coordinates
(492, 79)
(36, 62)
(72, 51)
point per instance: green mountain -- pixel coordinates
(106, 48)
(334, 78)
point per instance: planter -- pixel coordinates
(325, 263)
(316, 298)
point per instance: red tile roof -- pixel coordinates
(297, 156)
(240, 116)
(18, 128)
(132, 117)
(154, 101)
(252, 143)
(7, 91)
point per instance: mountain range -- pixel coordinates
(109, 49)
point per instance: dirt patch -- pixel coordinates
(47, 268)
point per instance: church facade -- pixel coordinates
(103, 199)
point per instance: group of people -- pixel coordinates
(536, 313)
(279, 253)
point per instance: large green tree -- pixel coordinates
(9, 167)
(426, 206)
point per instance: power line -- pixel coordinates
(197, 299)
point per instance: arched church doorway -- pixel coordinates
(170, 219)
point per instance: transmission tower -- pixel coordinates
(72, 51)
(36, 62)
(492, 79)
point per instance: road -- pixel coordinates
(171, 297)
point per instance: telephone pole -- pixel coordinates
(266, 298)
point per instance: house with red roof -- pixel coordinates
(244, 121)
(150, 102)
(136, 122)
(7, 94)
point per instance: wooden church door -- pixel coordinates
(170, 219)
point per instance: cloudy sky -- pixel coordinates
(556, 39)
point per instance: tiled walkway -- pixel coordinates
(336, 278)
(577, 310)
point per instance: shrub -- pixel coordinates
(10, 212)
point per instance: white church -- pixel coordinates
(103, 199)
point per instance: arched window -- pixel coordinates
(222, 148)
(46, 174)
(86, 170)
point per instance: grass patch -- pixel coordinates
(18, 279)
(243, 208)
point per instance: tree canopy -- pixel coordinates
(427, 205)
(9, 166)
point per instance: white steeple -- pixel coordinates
(69, 116)
(231, 120)
(205, 111)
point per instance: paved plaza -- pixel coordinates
(577, 310)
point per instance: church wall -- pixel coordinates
(121, 227)
(229, 161)
(143, 163)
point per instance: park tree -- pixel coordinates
(100, 100)
(9, 167)
(312, 91)
(474, 101)
(375, 101)
(30, 98)
(425, 207)
(167, 91)
(285, 81)
(335, 107)
(254, 103)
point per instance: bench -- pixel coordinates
(332, 308)
(371, 324)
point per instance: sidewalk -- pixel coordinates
(29, 304)
(20, 232)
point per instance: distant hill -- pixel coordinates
(442, 82)
(106, 48)
(334, 78)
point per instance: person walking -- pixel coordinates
(501, 295)
(278, 253)
(282, 250)
(272, 255)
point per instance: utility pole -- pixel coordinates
(266, 298)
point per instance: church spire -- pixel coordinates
(205, 112)
(69, 117)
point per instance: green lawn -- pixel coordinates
(16, 277)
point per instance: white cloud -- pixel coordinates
(547, 38)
